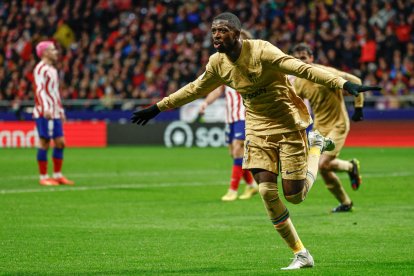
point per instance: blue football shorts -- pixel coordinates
(235, 131)
(49, 129)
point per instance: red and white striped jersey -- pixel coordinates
(47, 96)
(234, 106)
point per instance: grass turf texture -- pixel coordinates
(151, 211)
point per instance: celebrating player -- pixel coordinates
(235, 135)
(49, 114)
(276, 118)
(331, 120)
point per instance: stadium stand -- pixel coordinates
(144, 50)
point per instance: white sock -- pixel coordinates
(57, 175)
(253, 185)
(44, 176)
(302, 251)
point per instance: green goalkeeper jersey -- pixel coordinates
(260, 76)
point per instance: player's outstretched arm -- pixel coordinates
(141, 117)
(355, 89)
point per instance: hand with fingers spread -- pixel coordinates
(355, 89)
(141, 117)
(358, 115)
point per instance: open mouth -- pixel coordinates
(217, 44)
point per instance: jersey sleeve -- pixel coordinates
(203, 85)
(292, 66)
(358, 101)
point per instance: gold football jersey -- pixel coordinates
(327, 103)
(260, 76)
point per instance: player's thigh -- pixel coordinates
(44, 128)
(260, 154)
(237, 148)
(237, 136)
(293, 154)
(229, 133)
(58, 136)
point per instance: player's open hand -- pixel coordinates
(141, 117)
(355, 89)
(358, 115)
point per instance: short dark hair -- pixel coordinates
(232, 19)
(300, 48)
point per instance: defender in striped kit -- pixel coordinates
(49, 114)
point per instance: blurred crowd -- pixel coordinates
(146, 49)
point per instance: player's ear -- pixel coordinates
(237, 34)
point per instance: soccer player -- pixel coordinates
(235, 135)
(276, 118)
(331, 120)
(49, 114)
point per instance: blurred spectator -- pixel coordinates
(122, 49)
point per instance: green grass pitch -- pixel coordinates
(152, 211)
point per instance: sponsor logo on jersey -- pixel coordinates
(253, 95)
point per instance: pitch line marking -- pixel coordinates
(192, 172)
(114, 174)
(150, 185)
(109, 187)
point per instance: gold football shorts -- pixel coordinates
(287, 151)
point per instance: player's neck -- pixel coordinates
(234, 54)
(48, 61)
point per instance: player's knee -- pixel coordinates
(296, 198)
(44, 147)
(44, 144)
(237, 151)
(324, 173)
(60, 144)
(324, 166)
(268, 191)
(330, 186)
(294, 190)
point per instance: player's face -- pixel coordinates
(52, 53)
(224, 36)
(303, 56)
